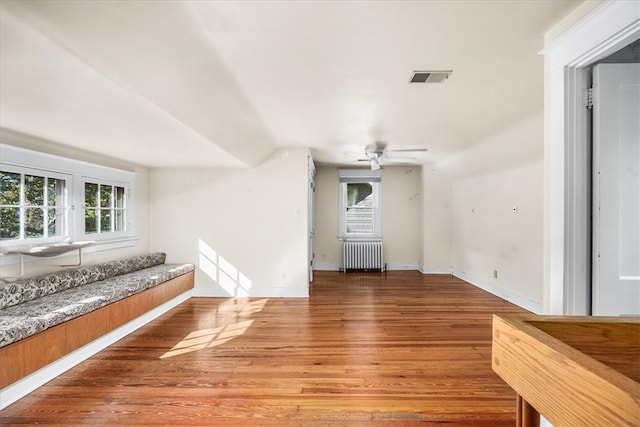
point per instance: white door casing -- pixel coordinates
(607, 29)
(616, 190)
(311, 219)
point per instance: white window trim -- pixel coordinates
(347, 176)
(21, 159)
(80, 209)
(66, 218)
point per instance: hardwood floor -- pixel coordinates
(370, 349)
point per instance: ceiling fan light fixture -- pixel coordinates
(375, 164)
(439, 76)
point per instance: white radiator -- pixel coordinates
(362, 255)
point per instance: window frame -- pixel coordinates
(17, 159)
(359, 176)
(65, 207)
(82, 208)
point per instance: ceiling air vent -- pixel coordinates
(430, 76)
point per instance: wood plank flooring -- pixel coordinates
(366, 349)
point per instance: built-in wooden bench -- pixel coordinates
(77, 322)
(32, 353)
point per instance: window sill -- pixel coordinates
(47, 250)
(96, 246)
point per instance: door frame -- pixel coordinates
(311, 219)
(567, 232)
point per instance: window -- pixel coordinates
(360, 204)
(104, 208)
(48, 199)
(359, 210)
(33, 204)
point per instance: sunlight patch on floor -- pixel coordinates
(208, 338)
(233, 328)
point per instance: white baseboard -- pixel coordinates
(514, 298)
(327, 266)
(401, 266)
(391, 266)
(21, 388)
(432, 269)
(276, 291)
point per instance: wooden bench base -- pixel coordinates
(30, 354)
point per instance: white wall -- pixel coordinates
(503, 172)
(401, 218)
(437, 214)
(581, 10)
(328, 249)
(245, 229)
(94, 254)
(488, 235)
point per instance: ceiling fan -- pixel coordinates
(377, 154)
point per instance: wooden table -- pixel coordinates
(574, 370)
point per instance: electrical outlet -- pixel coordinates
(495, 274)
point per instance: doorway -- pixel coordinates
(567, 251)
(615, 182)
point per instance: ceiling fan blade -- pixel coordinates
(407, 150)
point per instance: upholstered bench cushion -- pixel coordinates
(14, 328)
(39, 286)
(22, 320)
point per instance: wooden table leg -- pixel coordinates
(526, 415)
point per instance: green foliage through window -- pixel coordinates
(31, 206)
(104, 208)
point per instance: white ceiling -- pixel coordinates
(215, 83)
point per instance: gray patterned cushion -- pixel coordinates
(14, 328)
(36, 287)
(22, 320)
(128, 265)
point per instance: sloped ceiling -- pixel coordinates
(215, 83)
